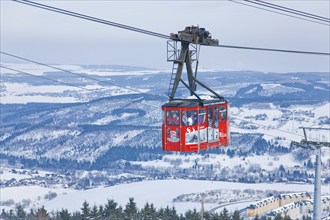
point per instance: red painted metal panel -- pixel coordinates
(191, 129)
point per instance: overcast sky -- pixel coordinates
(59, 39)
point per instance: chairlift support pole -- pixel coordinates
(315, 145)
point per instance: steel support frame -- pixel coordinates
(185, 56)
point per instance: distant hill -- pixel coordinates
(37, 121)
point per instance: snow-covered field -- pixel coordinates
(159, 192)
(267, 162)
(284, 123)
(67, 90)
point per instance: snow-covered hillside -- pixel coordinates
(160, 192)
(101, 132)
(84, 118)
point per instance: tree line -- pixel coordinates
(112, 211)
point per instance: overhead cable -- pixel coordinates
(143, 31)
(276, 12)
(68, 84)
(288, 10)
(275, 50)
(78, 74)
(90, 18)
(298, 11)
(46, 78)
(250, 121)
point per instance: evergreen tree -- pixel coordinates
(31, 215)
(167, 211)
(148, 212)
(216, 216)
(310, 164)
(110, 210)
(224, 215)
(286, 217)
(3, 214)
(20, 213)
(174, 214)
(278, 217)
(131, 211)
(256, 218)
(42, 214)
(236, 215)
(192, 215)
(120, 213)
(101, 211)
(161, 213)
(76, 216)
(85, 210)
(167, 214)
(64, 214)
(11, 214)
(94, 212)
(207, 216)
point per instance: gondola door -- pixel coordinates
(202, 128)
(171, 136)
(213, 126)
(224, 124)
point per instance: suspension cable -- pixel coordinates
(143, 31)
(81, 75)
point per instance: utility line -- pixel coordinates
(42, 77)
(242, 119)
(240, 2)
(143, 31)
(274, 50)
(305, 13)
(77, 74)
(90, 18)
(263, 133)
(69, 84)
(292, 11)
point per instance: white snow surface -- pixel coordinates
(36, 69)
(266, 161)
(284, 123)
(161, 193)
(270, 89)
(34, 193)
(8, 99)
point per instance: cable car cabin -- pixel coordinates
(194, 125)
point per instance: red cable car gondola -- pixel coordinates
(191, 125)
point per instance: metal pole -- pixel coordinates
(315, 145)
(317, 186)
